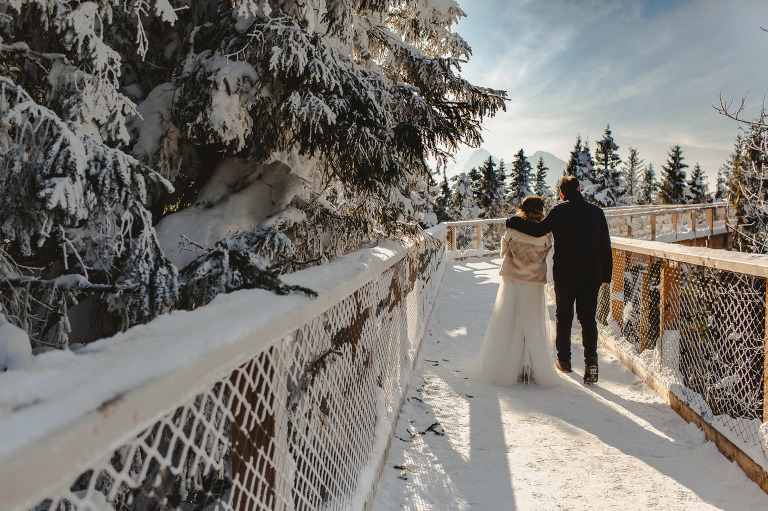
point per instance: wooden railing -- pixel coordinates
(673, 224)
(670, 223)
(691, 322)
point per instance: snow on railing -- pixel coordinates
(255, 401)
(692, 322)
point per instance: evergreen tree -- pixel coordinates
(521, 179)
(581, 164)
(737, 163)
(501, 175)
(607, 189)
(331, 112)
(571, 169)
(443, 201)
(475, 177)
(491, 190)
(463, 206)
(724, 176)
(696, 192)
(672, 187)
(648, 187)
(631, 172)
(750, 186)
(541, 187)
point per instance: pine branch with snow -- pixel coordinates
(73, 201)
(308, 128)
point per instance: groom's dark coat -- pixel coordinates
(582, 243)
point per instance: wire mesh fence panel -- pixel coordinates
(684, 221)
(702, 220)
(640, 226)
(719, 216)
(491, 236)
(302, 425)
(698, 330)
(466, 238)
(665, 224)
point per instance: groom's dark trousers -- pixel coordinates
(585, 296)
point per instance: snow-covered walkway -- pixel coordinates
(461, 444)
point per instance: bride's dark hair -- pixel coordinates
(532, 208)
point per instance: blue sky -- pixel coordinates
(651, 69)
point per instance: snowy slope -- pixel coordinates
(461, 444)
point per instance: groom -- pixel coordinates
(582, 263)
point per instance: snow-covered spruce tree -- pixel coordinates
(648, 187)
(581, 166)
(521, 179)
(696, 190)
(491, 190)
(289, 130)
(572, 169)
(749, 186)
(443, 201)
(464, 206)
(631, 173)
(474, 177)
(607, 189)
(502, 173)
(672, 182)
(541, 188)
(724, 177)
(74, 221)
(737, 163)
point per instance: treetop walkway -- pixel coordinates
(259, 401)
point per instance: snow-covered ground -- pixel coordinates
(461, 444)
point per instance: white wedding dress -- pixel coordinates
(518, 347)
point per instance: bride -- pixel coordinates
(517, 347)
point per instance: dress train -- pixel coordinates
(518, 347)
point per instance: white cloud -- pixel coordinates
(652, 70)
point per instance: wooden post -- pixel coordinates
(253, 432)
(674, 223)
(629, 227)
(693, 221)
(711, 221)
(617, 285)
(452, 238)
(670, 297)
(765, 358)
(477, 236)
(653, 227)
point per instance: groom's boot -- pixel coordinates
(564, 366)
(590, 370)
